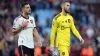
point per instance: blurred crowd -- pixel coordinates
(86, 20)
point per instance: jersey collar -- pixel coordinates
(63, 15)
(25, 17)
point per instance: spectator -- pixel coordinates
(84, 16)
(90, 31)
(87, 49)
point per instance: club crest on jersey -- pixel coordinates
(68, 20)
(63, 53)
(31, 21)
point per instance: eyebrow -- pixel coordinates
(68, 5)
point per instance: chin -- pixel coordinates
(68, 11)
(28, 13)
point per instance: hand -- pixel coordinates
(39, 44)
(52, 48)
(81, 40)
(25, 23)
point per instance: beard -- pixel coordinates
(27, 13)
(67, 11)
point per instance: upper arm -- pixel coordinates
(34, 29)
(34, 25)
(55, 21)
(14, 24)
(17, 23)
(35, 32)
(72, 23)
(74, 30)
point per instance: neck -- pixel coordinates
(64, 13)
(25, 15)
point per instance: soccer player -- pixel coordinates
(62, 25)
(24, 26)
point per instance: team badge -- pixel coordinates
(31, 21)
(68, 20)
(63, 53)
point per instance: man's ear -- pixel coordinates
(22, 9)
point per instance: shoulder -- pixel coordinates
(31, 17)
(70, 16)
(18, 18)
(57, 16)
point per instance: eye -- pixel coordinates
(67, 5)
(27, 7)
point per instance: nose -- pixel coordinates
(69, 7)
(29, 9)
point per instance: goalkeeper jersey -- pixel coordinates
(61, 28)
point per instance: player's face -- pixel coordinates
(67, 7)
(27, 9)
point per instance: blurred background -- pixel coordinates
(86, 15)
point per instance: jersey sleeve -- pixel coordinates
(73, 28)
(15, 24)
(34, 22)
(53, 31)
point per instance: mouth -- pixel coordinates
(68, 9)
(29, 11)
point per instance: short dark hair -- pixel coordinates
(23, 4)
(63, 2)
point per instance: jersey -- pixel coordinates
(26, 34)
(61, 28)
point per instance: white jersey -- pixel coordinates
(26, 34)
